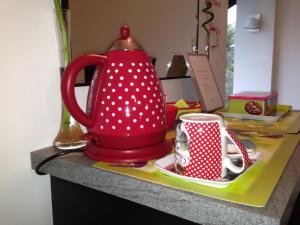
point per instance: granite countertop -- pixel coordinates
(75, 167)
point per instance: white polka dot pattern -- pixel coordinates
(205, 151)
(131, 100)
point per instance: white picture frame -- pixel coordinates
(205, 83)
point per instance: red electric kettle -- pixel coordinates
(125, 116)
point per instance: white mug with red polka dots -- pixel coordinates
(201, 147)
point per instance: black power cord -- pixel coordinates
(61, 153)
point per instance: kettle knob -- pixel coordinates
(124, 42)
(124, 31)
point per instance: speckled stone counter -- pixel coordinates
(75, 167)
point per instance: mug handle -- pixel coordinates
(227, 162)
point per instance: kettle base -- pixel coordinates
(114, 155)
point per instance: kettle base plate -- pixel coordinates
(114, 155)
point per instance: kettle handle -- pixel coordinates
(68, 86)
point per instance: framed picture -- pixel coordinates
(205, 83)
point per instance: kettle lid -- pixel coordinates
(125, 42)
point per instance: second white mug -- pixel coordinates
(201, 147)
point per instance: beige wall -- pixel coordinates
(163, 28)
(218, 56)
(30, 108)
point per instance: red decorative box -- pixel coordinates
(254, 103)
